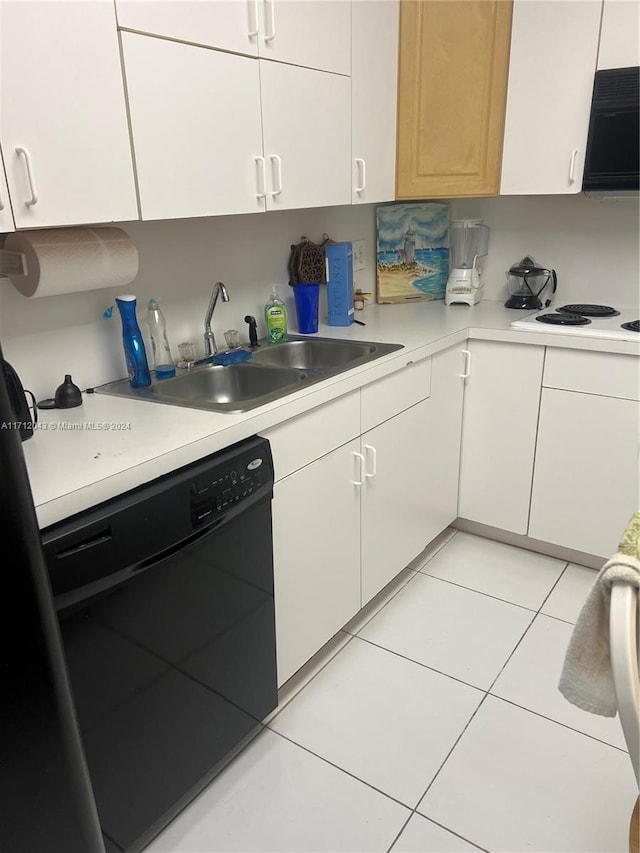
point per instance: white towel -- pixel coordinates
(587, 678)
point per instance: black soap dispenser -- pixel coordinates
(68, 395)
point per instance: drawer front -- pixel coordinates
(297, 442)
(603, 373)
(387, 397)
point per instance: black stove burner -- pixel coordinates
(633, 326)
(589, 310)
(563, 319)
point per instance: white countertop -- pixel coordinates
(80, 457)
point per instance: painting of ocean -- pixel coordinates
(412, 252)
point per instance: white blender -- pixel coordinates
(469, 241)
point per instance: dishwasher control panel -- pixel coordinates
(214, 492)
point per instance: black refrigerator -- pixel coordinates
(46, 801)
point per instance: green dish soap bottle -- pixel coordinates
(275, 317)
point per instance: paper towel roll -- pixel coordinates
(70, 260)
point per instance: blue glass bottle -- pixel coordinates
(134, 351)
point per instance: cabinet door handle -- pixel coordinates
(30, 178)
(362, 174)
(373, 454)
(270, 15)
(466, 370)
(276, 174)
(360, 459)
(253, 18)
(572, 166)
(261, 179)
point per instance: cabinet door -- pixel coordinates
(619, 35)
(553, 56)
(227, 24)
(501, 401)
(374, 87)
(195, 120)
(6, 216)
(453, 62)
(316, 551)
(443, 440)
(65, 136)
(307, 136)
(313, 33)
(395, 496)
(585, 487)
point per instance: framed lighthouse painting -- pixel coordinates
(412, 252)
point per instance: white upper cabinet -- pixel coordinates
(619, 35)
(227, 24)
(63, 120)
(195, 119)
(311, 33)
(374, 88)
(554, 44)
(6, 216)
(307, 136)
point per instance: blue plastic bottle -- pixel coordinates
(134, 351)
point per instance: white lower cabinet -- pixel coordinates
(501, 401)
(6, 216)
(316, 544)
(586, 482)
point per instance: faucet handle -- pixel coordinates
(253, 331)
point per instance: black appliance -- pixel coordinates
(20, 414)
(526, 281)
(164, 597)
(612, 160)
(47, 801)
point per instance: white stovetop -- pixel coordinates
(609, 328)
(80, 457)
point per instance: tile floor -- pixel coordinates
(431, 723)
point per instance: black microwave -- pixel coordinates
(612, 160)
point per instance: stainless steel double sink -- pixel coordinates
(275, 371)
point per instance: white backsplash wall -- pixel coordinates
(593, 246)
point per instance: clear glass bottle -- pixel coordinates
(162, 358)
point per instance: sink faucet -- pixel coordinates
(219, 289)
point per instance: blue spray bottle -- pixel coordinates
(134, 351)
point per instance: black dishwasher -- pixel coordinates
(165, 602)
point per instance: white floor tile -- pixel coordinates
(387, 720)
(494, 568)
(432, 549)
(518, 782)
(379, 601)
(570, 593)
(531, 678)
(452, 629)
(277, 797)
(423, 836)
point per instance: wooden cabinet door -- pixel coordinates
(307, 136)
(619, 35)
(195, 120)
(227, 24)
(65, 136)
(316, 552)
(501, 401)
(395, 496)
(453, 63)
(585, 487)
(553, 57)
(312, 33)
(374, 87)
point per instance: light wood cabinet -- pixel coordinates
(501, 401)
(374, 88)
(65, 136)
(453, 65)
(551, 69)
(619, 35)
